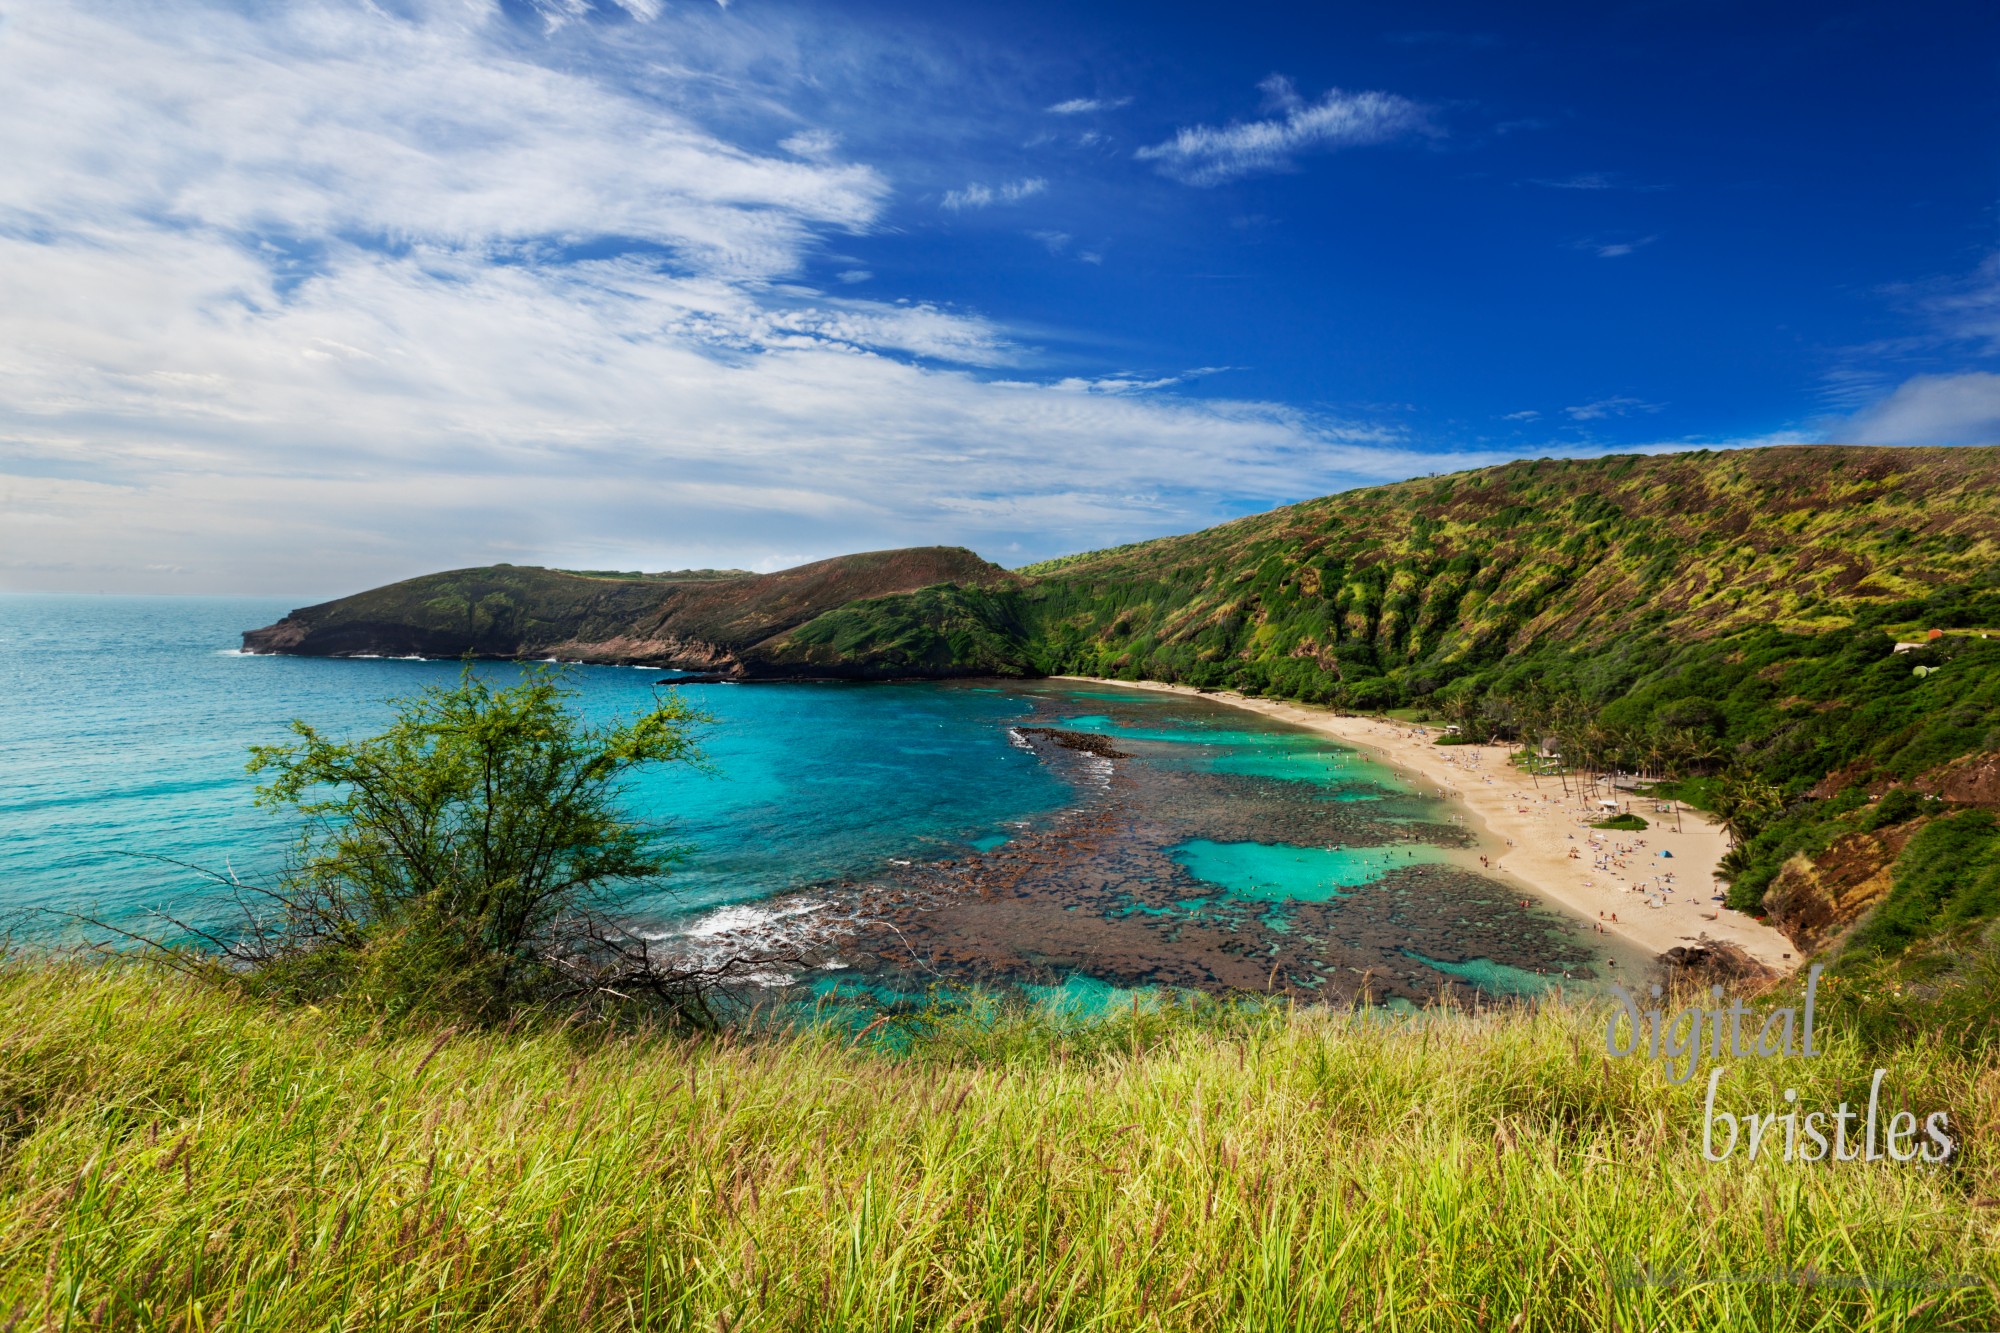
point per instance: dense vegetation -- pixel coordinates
(1785, 734)
(179, 1159)
(1948, 875)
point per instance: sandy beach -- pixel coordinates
(1540, 839)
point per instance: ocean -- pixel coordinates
(1044, 834)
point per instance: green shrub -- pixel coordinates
(458, 866)
(1896, 806)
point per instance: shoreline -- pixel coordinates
(1532, 829)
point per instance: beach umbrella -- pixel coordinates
(1667, 854)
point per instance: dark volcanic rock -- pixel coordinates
(1084, 741)
(1095, 888)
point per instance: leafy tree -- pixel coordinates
(462, 864)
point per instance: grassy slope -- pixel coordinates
(1422, 582)
(1378, 597)
(1371, 597)
(175, 1159)
(938, 631)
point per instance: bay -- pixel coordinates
(125, 724)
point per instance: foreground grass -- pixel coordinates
(177, 1159)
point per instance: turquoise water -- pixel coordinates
(1285, 755)
(1497, 978)
(125, 724)
(1267, 873)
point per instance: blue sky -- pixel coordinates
(299, 298)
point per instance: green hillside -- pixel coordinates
(693, 619)
(1381, 596)
(1724, 621)
(1728, 621)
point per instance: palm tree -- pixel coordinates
(1461, 709)
(1698, 749)
(1667, 754)
(1744, 803)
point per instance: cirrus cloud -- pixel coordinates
(1210, 155)
(976, 195)
(1078, 106)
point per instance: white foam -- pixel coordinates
(735, 917)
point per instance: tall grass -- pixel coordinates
(175, 1158)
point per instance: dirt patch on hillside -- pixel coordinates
(1813, 901)
(1973, 780)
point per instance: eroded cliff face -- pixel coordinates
(1815, 901)
(659, 650)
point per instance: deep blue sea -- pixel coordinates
(125, 724)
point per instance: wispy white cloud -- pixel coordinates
(1077, 106)
(977, 195)
(342, 122)
(1210, 155)
(811, 143)
(1123, 384)
(1923, 384)
(1611, 407)
(1968, 311)
(1613, 249)
(1933, 409)
(1528, 414)
(1595, 180)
